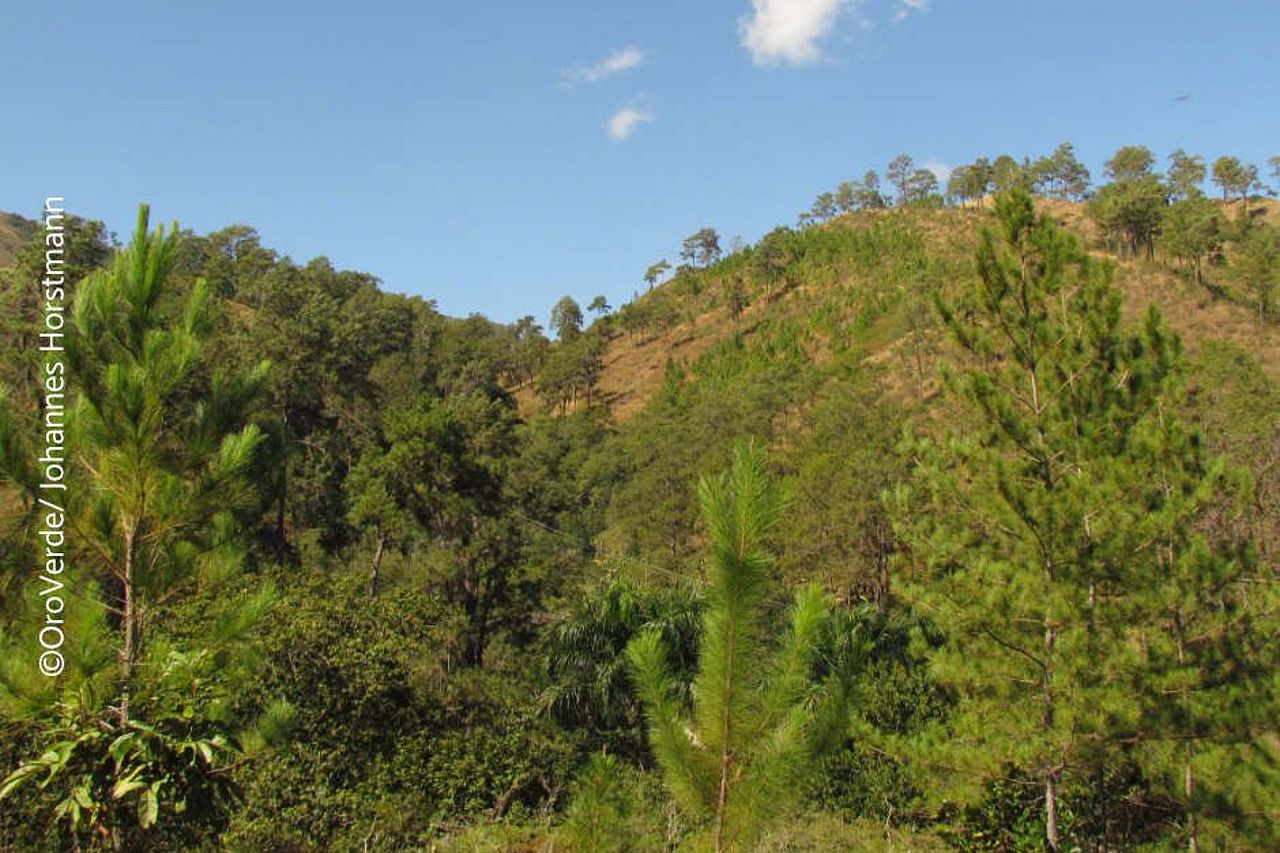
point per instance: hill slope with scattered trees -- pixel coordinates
(946, 519)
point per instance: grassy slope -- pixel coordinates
(634, 369)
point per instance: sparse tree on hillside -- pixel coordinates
(566, 318)
(1256, 267)
(1186, 174)
(1235, 178)
(1192, 230)
(899, 174)
(655, 272)
(1006, 174)
(846, 197)
(922, 185)
(1130, 163)
(599, 306)
(772, 257)
(529, 348)
(824, 207)
(868, 195)
(1066, 176)
(959, 184)
(701, 248)
(735, 297)
(1129, 213)
(972, 181)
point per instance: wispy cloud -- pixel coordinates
(788, 31)
(623, 59)
(625, 121)
(903, 8)
(940, 170)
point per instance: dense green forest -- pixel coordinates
(947, 519)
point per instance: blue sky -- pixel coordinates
(497, 155)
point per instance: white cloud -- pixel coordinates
(623, 59)
(624, 122)
(788, 30)
(906, 7)
(940, 170)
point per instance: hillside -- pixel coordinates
(14, 231)
(447, 597)
(635, 365)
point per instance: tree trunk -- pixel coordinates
(1051, 811)
(1051, 777)
(128, 625)
(726, 753)
(1193, 843)
(1188, 782)
(282, 501)
(377, 565)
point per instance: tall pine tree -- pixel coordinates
(1056, 542)
(159, 452)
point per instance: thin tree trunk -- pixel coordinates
(128, 625)
(1051, 777)
(128, 622)
(726, 755)
(1193, 843)
(1188, 782)
(377, 565)
(1051, 810)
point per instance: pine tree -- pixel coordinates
(1059, 545)
(160, 451)
(1192, 230)
(758, 722)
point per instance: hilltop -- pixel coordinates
(887, 302)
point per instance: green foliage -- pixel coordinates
(1186, 174)
(756, 725)
(566, 318)
(701, 248)
(1191, 231)
(454, 590)
(155, 491)
(1234, 177)
(1256, 268)
(613, 810)
(1130, 163)
(772, 258)
(899, 174)
(655, 271)
(591, 687)
(572, 369)
(1061, 175)
(1057, 546)
(1129, 213)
